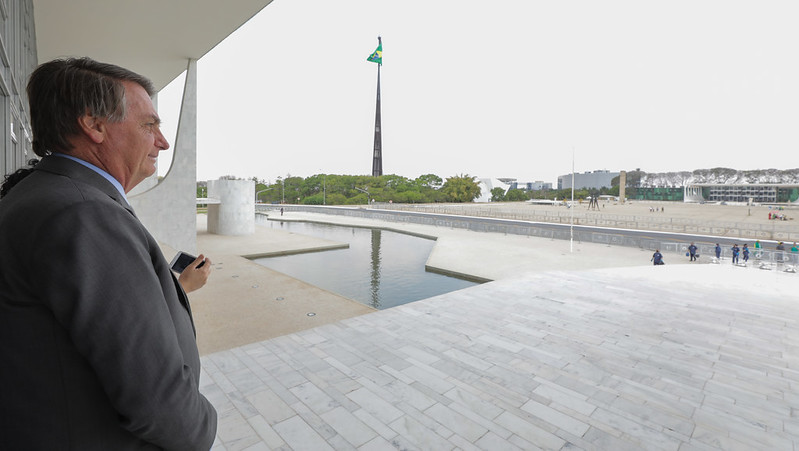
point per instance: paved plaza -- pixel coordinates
(618, 356)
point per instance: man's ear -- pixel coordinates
(93, 127)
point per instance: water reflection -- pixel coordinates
(375, 280)
(381, 268)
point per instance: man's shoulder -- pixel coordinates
(42, 190)
(61, 180)
(43, 196)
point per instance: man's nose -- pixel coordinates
(161, 142)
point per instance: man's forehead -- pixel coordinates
(137, 95)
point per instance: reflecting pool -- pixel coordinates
(381, 268)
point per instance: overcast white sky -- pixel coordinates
(508, 88)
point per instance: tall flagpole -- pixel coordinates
(377, 157)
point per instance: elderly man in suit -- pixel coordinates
(97, 341)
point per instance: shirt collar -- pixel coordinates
(94, 168)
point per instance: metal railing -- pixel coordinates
(772, 231)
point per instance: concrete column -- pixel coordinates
(169, 209)
(235, 212)
(692, 193)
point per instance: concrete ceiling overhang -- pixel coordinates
(152, 37)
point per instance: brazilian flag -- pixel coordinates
(377, 56)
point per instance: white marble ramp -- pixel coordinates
(688, 357)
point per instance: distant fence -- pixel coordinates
(646, 240)
(777, 231)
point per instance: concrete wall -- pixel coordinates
(775, 230)
(235, 212)
(636, 236)
(169, 209)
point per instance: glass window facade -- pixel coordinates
(765, 193)
(17, 60)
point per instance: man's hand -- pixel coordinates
(193, 278)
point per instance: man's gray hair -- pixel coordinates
(63, 90)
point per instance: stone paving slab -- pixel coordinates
(684, 357)
(245, 302)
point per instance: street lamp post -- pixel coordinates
(368, 196)
(283, 190)
(259, 192)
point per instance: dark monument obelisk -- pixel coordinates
(377, 156)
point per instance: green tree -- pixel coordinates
(516, 195)
(336, 199)
(409, 197)
(429, 181)
(335, 189)
(261, 190)
(429, 185)
(542, 194)
(202, 189)
(293, 189)
(399, 184)
(497, 194)
(313, 185)
(316, 199)
(359, 199)
(461, 188)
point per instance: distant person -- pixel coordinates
(758, 247)
(97, 339)
(692, 252)
(780, 252)
(281, 211)
(735, 252)
(657, 258)
(718, 251)
(794, 253)
(745, 251)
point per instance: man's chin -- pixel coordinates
(151, 168)
(145, 173)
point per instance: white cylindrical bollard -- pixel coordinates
(235, 212)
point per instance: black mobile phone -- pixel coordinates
(182, 260)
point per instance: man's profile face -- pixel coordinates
(134, 143)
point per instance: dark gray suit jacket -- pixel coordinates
(97, 344)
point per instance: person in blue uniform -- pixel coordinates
(692, 252)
